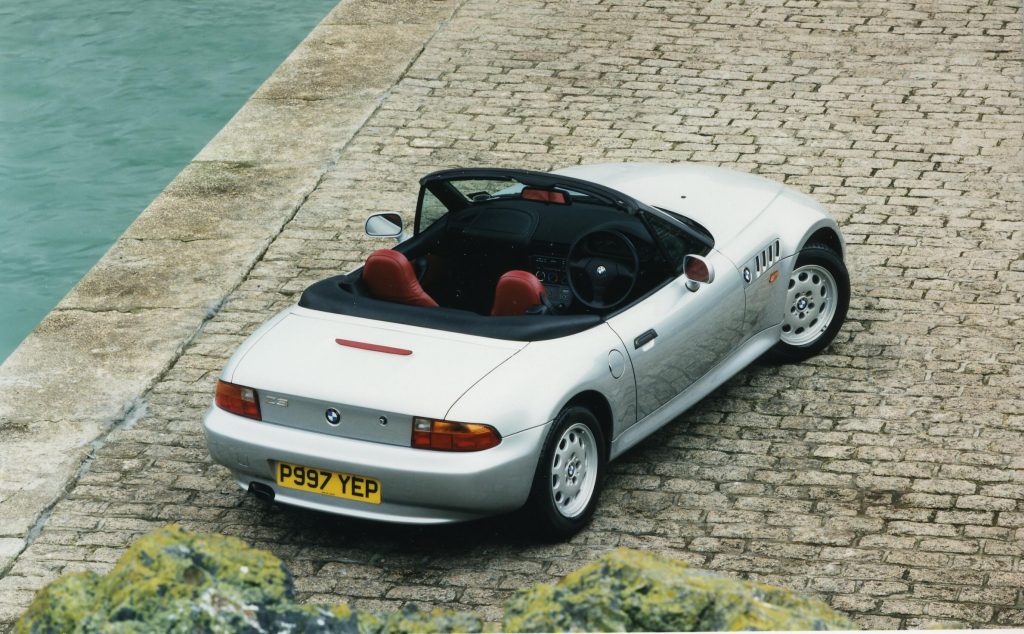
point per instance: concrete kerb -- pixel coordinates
(84, 370)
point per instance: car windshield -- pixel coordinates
(462, 191)
(484, 189)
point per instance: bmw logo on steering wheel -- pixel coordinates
(333, 417)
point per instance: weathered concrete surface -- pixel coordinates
(118, 331)
(885, 477)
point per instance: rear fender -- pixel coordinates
(228, 373)
(532, 387)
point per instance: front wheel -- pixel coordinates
(568, 477)
(817, 298)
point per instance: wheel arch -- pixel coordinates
(601, 409)
(828, 236)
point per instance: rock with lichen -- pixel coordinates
(172, 580)
(628, 590)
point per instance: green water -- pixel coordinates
(101, 105)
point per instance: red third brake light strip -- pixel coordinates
(544, 196)
(362, 345)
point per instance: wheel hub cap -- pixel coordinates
(810, 305)
(574, 470)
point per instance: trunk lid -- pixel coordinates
(300, 372)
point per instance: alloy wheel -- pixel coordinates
(810, 305)
(573, 474)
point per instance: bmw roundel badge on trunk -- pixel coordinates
(333, 417)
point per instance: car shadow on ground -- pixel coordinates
(316, 528)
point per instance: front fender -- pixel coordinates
(532, 387)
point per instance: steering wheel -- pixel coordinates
(598, 280)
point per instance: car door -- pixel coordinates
(676, 335)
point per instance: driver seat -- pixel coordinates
(389, 276)
(519, 293)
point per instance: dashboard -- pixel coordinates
(493, 237)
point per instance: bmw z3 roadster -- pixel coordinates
(532, 328)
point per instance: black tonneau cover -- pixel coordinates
(341, 295)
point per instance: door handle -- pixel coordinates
(645, 339)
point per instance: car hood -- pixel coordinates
(723, 201)
(299, 356)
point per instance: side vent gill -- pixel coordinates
(761, 262)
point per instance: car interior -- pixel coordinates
(498, 248)
(462, 258)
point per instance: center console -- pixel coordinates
(552, 272)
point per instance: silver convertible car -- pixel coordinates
(532, 328)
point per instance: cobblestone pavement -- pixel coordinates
(885, 476)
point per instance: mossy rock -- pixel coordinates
(629, 590)
(172, 580)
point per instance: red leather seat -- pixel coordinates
(516, 292)
(390, 277)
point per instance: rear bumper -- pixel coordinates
(417, 486)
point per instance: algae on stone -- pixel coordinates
(629, 590)
(172, 580)
(62, 605)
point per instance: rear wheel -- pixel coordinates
(817, 298)
(568, 478)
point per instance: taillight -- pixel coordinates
(442, 435)
(238, 399)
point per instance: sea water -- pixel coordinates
(101, 105)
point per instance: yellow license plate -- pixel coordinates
(341, 485)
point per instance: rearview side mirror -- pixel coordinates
(386, 225)
(697, 270)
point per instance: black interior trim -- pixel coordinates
(342, 295)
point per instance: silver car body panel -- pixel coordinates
(704, 337)
(543, 377)
(735, 362)
(298, 359)
(418, 487)
(686, 344)
(741, 211)
(724, 201)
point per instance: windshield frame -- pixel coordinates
(439, 184)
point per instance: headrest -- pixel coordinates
(389, 276)
(517, 292)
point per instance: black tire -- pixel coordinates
(816, 255)
(553, 519)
